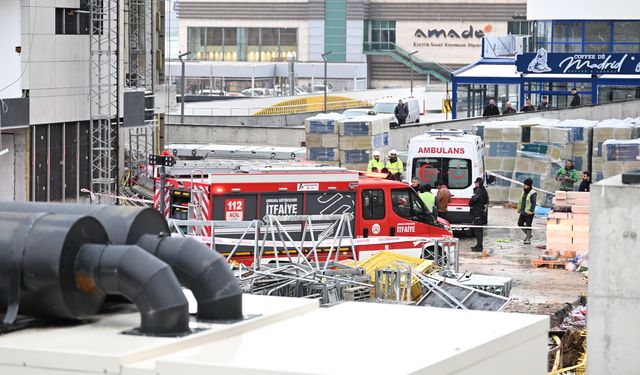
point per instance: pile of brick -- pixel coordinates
(567, 229)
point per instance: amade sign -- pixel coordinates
(469, 33)
(578, 63)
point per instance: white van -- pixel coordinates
(453, 157)
(388, 105)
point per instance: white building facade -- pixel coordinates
(376, 33)
(46, 92)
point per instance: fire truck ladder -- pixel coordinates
(104, 95)
(196, 204)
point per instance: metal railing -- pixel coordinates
(440, 71)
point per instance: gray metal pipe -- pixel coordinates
(197, 267)
(203, 271)
(37, 254)
(148, 282)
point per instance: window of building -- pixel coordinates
(72, 21)
(588, 36)
(373, 204)
(518, 28)
(242, 44)
(383, 35)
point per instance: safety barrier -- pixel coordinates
(312, 104)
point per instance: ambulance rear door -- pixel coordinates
(451, 161)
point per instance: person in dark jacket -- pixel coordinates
(402, 112)
(527, 106)
(576, 98)
(585, 184)
(479, 203)
(508, 109)
(491, 109)
(526, 209)
(545, 104)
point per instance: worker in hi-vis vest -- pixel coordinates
(394, 165)
(428, 198)
(375, 165)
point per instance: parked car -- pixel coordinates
(355, 112)
(388, 105)
(317, 89)
(213, 92)
(257, 91)
(284, 90)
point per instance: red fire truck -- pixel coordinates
(388, 213)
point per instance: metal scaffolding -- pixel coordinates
(140, 72)
(141, 140)
(104, 98)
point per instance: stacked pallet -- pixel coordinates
(359, 137)
(568, 232)
(322, 137)
(606, 130)
(502, 141)
(620, 156)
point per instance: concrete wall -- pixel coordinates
(255, 128)
(238, 135)
(399, 138)
(614, 280)
(57, 74)
(284, 120)
(11, 38)
(13, 167)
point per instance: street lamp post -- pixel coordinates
(411, 67)
(184, 86)
(324, 57)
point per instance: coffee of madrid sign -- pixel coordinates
(578, 63)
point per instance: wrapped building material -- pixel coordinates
(603, 131)
(501, 142)
(541, 168)
(359, 137)
(620, 156)
(322, 137)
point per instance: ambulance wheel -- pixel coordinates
(418, 120)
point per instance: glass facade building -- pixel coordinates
(498, 79)
(242, 43)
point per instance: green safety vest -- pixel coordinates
(429, 200)
(527, 205)
(396, 167)
(375, 163)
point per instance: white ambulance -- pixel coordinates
(453, 157)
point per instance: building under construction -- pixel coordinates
(77, 89)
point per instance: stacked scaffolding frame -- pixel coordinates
(104, 97)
